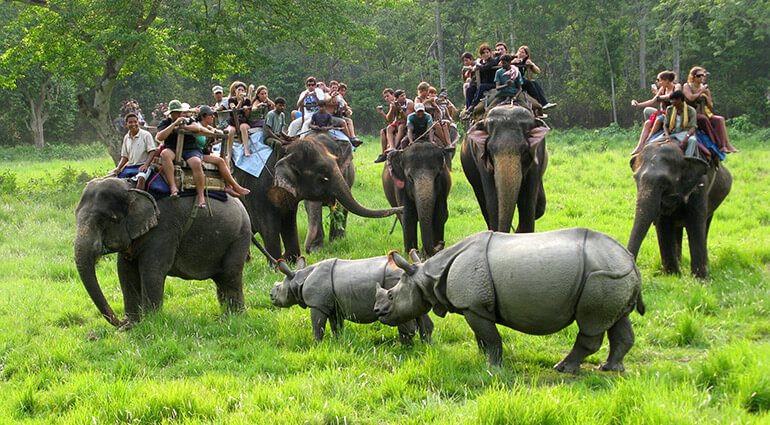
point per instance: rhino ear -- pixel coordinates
(402, 263)
(301, 262)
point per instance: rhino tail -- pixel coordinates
(640, 304)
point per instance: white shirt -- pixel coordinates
(138, 147)
(319, 94)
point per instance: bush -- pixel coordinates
(7, 181)
(51, 152)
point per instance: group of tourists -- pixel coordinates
(683, 113)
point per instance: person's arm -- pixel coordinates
(409, 133)
(534, 68)
(709, 102)
(163, 134)
(430, 129)
(451, 109)
(409, 108)
(689, 93)
(150, 156)
(122, 163)
(301, 101)
(670, 115)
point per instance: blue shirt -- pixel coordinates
(502, 78)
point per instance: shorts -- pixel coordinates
(337, 122)
(188, 153)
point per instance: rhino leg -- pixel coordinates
(406, 332)
(318, 320)
(336, 322)
(584, 346)
(621, 336)
(425, 325)
(487, 337)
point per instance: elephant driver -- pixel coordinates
(138, 149)
(167, 130)
(419, 126)
(275, 121)
(507, 82)
(679, 125)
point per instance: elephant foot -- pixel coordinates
(566, 367)
(314, 247)
(126, 325)
(617, 367)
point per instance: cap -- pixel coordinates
(185, 107)
(205, 110)
(176, 106)
(217, 89)
(419, 107)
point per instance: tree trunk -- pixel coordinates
(440, 45)
(98, 113)
(36, 117)
(612, 78)
(675, 53)
(643, 53)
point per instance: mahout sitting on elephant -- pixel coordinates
(504, 158)
(677, 192)
(418, 178)
(535, 283)
(307, 171)
(155, 239)
(338, 290)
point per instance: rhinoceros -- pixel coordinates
(338, 290)
(536, 283)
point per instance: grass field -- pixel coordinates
(702, 353)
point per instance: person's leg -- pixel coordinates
(196, 166)
(400, 134)
(167, 169)
(692, 147)
(245, 138)
(465, 89)
(351, 127)
(643, 137)
(470, 94)
(718, 123)
(225, 173)
(483, 88)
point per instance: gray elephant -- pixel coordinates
(155, 239)
(535, 283)
(338, 290)
(307, 171)
(420, 182)
(504, 158)
(676, 192)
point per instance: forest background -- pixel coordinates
(66, 65)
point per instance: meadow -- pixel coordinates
(702, 352)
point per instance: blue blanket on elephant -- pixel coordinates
(260, 152)
(705, 144)
(158, 188)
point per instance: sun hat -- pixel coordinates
(176, 106)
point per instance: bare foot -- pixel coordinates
(232, 192)
(246, 154)
(242, 190)
(174, 193)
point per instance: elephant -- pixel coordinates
(536, 283)
(504, 158)
(675, 192)
(155, 239)
(337, 290)
(309, 171)
(420, 182)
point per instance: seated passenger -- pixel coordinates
(138, 148)
(321, 119)
(679, 125)
(507, 81)
(341, 112)
(260, 107)
(419, 126)
(167, 131)
(275, 121)
(526, 68)
(466, 73)
(485, 66)
(307, 104)
(442, 112)
(204, 127)
(240, 103)
(698, 95)
(663, 88)
(390, 118)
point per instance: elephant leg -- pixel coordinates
(131, 286)
(425, 326)
(290, 236)
(318, 321)
(665, 228)
(487, 336)
(230, 284)
(314, 241)
(527, 204)
(678, 233)
(409, 226)
(440, 217)
(336, 232)
(584, 346)
(153, 287)
(621, 336)
(541, 201)
(696, 235)
(473, 175)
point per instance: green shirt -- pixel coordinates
(275, 121)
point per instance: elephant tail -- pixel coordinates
(640, 304)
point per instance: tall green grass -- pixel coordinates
(702, 351)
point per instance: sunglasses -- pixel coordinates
(699, 75)
(311, 84)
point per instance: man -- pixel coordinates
(220, 102)
(167, 131)
(680, 125)
(138, 149)
(507, 81)
(385, 133)
(275, 120)
(321, 119)
(419, 125)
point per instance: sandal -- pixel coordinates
(201, 205)
(174, 195)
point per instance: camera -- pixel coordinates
(379, 107)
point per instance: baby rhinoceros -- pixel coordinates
(536, 283)
(338, 290)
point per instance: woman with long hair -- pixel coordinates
(698, 95)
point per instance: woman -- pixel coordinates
(260, 107)
(526, 67)
(698, 96)
(485, 66)
(241, 101)
(665, 85)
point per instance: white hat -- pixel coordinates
(419, 107)
(217, 89)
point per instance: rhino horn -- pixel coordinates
(402, 263)
(414, 256)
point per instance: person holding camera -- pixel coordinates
(526, 69)
(698, 95)
(485, 68)
(654, 116)
(167, 130)
(442, 110)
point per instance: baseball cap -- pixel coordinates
(217, 89)
(205, 110)
(419, 107)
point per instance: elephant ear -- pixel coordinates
(143, 213)
(692, 172)
(536, 135)
(396, 168)
(635, 162)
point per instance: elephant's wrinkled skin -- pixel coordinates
(156, 239)
(421, 185)
(338, 290)
(676, 192)
(508, 172)
(535, 283)
(308, 171)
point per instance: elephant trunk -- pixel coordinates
(425, 201)
(88, 247)
(341, 191)
(508, 177)
(647, 208)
